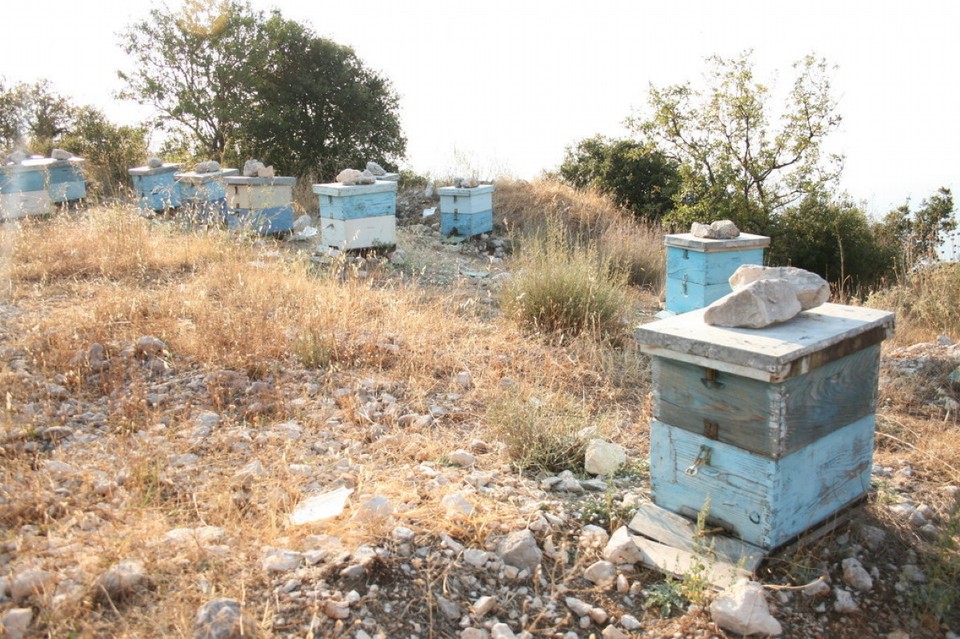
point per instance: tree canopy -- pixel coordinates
(740, 159)
(241, 83)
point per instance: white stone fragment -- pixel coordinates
(15, 622)
(520, 549)
(501, 631)
(742, 608)
(463, 458)
(757, 305)
(482, 606)
(855, 575)
(376, 169)
(60, 154)
(621, 549)
(320, 507)
(811, 289)
(844, 602)
(251, 168)
(457, 505)
(603, 573)
(612, 632)
(154, 163)
(375, 511)
(603, 458)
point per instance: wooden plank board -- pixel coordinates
(466, 201)
(679, 562)
(685, 297)
(674, 530)
(775, 353)
(362, 233)
(466, 224)
(772, 419)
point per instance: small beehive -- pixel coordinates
(24, 189)
(772, 427)
(263, 204)
(466, 212)
(203, 196)
(156, 187)
(359, 216)
(65, 180)
(698, 268)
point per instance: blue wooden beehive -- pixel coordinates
(24, 189)
(698, 268)
(772, 427)
(359, 216)
(156, 187)
(466, 212)
(203, 196)
(65, 180)
(263, 204)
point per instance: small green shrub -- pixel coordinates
(939, 596)
(604, 510)
(539, 434)
(566, 288)
(666, 596)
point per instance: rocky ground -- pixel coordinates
(161, 506)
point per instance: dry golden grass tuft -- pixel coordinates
(926, 301)
(631, 247)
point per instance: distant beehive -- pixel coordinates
(466, 211)
(156, 187)
(359, 216)
(35, 185)
(263, 204)
(698, 268)
(203, 196)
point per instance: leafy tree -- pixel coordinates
(33, 116)
(109, 150)
(833, 239)
(242, 84)
(637, 177)
(919, 233)
(734, 160)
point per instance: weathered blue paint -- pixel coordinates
(65, 180)
(265, 221)
(764, 501)
(698, 269)
(203, 196)
(478, 199)
(156, 187)
(466, 224)
(771, 419)
(19, 178)
(339, 202)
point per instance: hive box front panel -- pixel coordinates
(366, 232)
(265, 205)
(22, 203)
(156, 187)
(24, 189)
(772, 419)
(204, 195)
(764, 501)
(466, 224)
(66, 180)
(339, 202)
(698, 269)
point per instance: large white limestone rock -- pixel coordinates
(811, 289)
(603, 458)
(719, 230)
(756, 305)
(742, 608)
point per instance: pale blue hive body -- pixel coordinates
(156, 187)
(466, 212)
(203, 196)
(359, 216)
(262, 204)
(33, 186)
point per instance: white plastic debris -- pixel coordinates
(320, 507)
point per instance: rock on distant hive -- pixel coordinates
(259, 201)
(156, 186)
(773, 427)
(357, 215)
(698, 268)
(466, 209)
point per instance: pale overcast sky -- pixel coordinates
(503, 86)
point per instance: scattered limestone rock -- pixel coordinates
(222, 619)
(621, 549)
(122, 581)
(376, 511)
(465, 380)
(482, 606)
(17, 157)
(208, 166)
(844, 602)
(630, 622)
(281, 560)
(758, 304)
(154, 163)
(457, 505)
(719, 230)
(60, 154)
(474, 633)
(612, 632)
(603, 573)
(336, 609)
(604, 458)
(855, 575)
(593, 537)
(449, 608)
(375, 169)
(320, 507)
(811, 289)
(501, 631)
(202, 535)
(251, 168)
(742, 608)
(32, 584)
(816, 588)
(463, 458)
(520, 549)
(15, 622)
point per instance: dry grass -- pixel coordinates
(926, 301)
(630, 247)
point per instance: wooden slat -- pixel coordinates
(678, 562)
(688, 241)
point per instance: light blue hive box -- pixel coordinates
(66, 183)
(156, 187)
(466, 212)
(698, 268)
(203, 196)
(24, 189)
(359, 216)
(772, 427)
(262, 204)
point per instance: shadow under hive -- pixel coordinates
(772, 427)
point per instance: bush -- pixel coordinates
(926, 301)
(637, 178)
(109, 150)
(566, 288)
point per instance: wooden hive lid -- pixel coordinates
(772, 354)
(705, 245)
